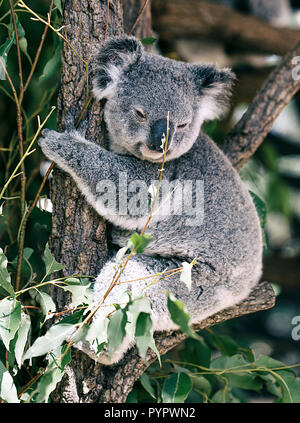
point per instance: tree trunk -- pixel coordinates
(78, 237)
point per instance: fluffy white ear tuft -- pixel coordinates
(214, 88)
(115, 57)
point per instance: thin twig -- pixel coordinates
(138, 17)
(38, 52)
(18, 51)
(107, 16)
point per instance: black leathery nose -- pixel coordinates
(157, 131)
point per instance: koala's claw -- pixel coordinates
(45, 132)
(69, 120)
(83, 126)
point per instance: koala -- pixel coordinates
(154, 108)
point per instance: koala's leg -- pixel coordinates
(210, 293)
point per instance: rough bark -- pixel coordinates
(198, 19)
(277, 91)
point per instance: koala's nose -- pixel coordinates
(157, 130)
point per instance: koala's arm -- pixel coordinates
(100, 174)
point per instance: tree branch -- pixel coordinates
(274, 95)
(198, 19)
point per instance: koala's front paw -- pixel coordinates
(70, 124)
(50, 141)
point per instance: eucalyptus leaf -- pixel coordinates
(98, 330)
(180, 316)
(6, 287)
(140, 242)
(146, 384)
(53, 374)
(176, 388)
(8, 391)
(55, 336)
(51, 264)
(81, 294)
(148, 41)
(116, 330)
(22, 337)
(10, 319)
(51, 67)
(47, 305)
(144, 335)
(4, 50)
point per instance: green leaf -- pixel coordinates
(135, 307)
(147, 41)
(55, 336)
(225, 344)
(200, 383)
(260, 208)
(293, 385)
(59, 6)
(244, 381)
(22, 39)
(235, 361)
(6, 287)
(51, 67)
(180, 316)
(4, 50)
(26, 268)
(8, 391)
(271, 363)
(98, 331)
(47, 305)
(140, 242)
(146, 384)
(51, 264)
(195, 352)
(81, 293)
(116, 330)
(224, 396)
(176, 388)
(53, 374)
(10, 319)
(144, 335)
(22, 337)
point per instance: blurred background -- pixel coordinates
(273, 173)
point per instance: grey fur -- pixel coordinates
(227, 244)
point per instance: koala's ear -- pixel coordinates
(214, 87)
(114, 58)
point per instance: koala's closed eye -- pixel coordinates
(140, 114)
(182, 125)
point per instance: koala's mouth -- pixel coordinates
(144, 153)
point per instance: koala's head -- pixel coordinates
(141, 88)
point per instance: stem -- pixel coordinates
(22, 233)
(38, 52)
(138, 17)
(18, 51)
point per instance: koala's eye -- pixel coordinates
(182, 126)
(140, 114)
